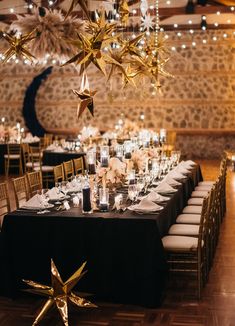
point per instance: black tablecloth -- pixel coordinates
(124, 253)
(56, 158)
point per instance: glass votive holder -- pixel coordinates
(104, 156)
(91, 159)
(127, 149)
(104, 199)
(119, 152)
(131, 177)
(155, 139)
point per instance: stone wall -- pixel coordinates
(201, 94)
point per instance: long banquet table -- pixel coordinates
(124, 252)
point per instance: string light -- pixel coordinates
(156, 22)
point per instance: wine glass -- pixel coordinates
(58, 192)
(41, 194)
(132, 192)
(64, 187)
(140, 184)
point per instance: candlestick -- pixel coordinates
(104, 156)
(104, 199)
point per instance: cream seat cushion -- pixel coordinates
(199, 194)
(195, 201)
(184, 229)
(188, 219)
(192, 209)
(203, 188)
(206, 183)
(181, 243)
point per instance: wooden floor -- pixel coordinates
(180, 308)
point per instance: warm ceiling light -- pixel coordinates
(175, 25)
(203, 23)
(190, 22)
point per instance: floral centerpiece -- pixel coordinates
(88, 132)
(138, 160)
(113, 175)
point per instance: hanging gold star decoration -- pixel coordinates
(156, 57)
(18, 46)
(83, 6)
(92, 46)
(123, 57)
(124, 12)
(59, 293)
(86, 97)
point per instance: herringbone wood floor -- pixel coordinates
(180, 308)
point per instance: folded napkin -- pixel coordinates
(51, 147)
(54, 195)
(171, 181)
(73, 186)
(188, 163)
(155, 197)
(164, 187)
(176, 175)
(145, 206)
(182, 169)
(59, 149)
(33, 203)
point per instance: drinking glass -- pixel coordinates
(58, 192)
(140, 184)
(132, 192)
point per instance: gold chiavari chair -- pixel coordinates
(58, 173)
(78, 166)
(68, 170)
(4, 202)
(36, 162)
(21, 191)
(187, 254)
(31, 157)
(13, 158)
(34, 182)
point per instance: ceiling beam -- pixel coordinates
(225, 2)
(199, 10)
(182, 27)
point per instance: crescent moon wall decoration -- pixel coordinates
(29, 110)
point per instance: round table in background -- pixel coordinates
(3, 151)
(56, 158)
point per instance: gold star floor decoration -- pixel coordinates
(59, 293)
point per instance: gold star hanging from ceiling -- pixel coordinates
(83, 6)
(59, 293)
(130, 46)
(18, 46)
(86, 98)
(124, 12)
(92, 46)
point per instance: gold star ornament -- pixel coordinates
(18, 46)
(59, 294)
(124, 12)
(83, 6)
